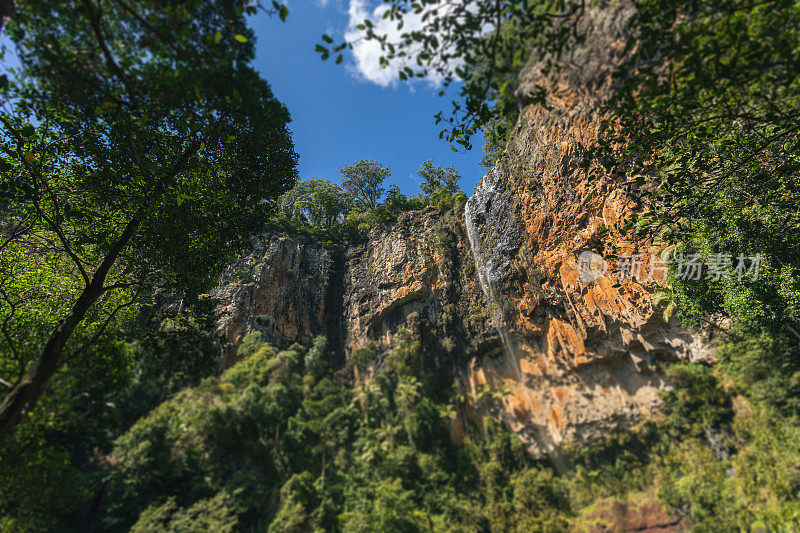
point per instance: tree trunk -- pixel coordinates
(24, 395)
(27, 392)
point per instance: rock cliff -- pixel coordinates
(494, 290)
(284, 288)
(415, 274)
(578, 350)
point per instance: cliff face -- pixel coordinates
(419, 267)
(414, 275)
(494, 291)
(579, 350)
(282, 288)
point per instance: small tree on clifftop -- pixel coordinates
(363, 182)
(437, 179)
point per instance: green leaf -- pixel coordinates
(327, 38)
(325, 53)
(217, 37)
(669, 311)
(240, 38)
(339, 59)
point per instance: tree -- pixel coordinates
(438, 179)
(721, 169)
(139, 147)
(362, 181)
(321, 202)
(326, 202)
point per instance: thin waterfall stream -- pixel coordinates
(491, 231)
(482, 208)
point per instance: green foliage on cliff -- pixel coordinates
(275, 444)
(726, 178)
(336, 214)
(319, 202)
(725, 158)
(363, 181)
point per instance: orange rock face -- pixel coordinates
(579, 340)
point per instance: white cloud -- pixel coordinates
(367, 53)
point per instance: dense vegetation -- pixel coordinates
(118, 183)
(277, 443)
(702, 124)
(121, 199)
(335, 214)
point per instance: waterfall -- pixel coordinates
(494, 239)
(489, 208)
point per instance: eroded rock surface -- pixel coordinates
(414, 275)
(281, 288)
(420, 264)
(579, 350)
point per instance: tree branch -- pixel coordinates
(94, 19)
(29, 389)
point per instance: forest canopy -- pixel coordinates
(118, 183)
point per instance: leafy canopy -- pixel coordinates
(319, 202)
(363, 181)
(138, 147)
(438, 179)
(463, 41)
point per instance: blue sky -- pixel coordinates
(338, 114)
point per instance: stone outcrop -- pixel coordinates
(420, 264)
(415, 274)
(637, 512)
(281, 289)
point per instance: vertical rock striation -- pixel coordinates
(413, 276)
(578, 352)
(281, 289)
